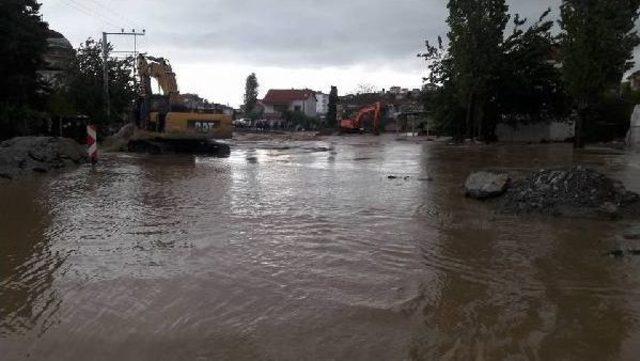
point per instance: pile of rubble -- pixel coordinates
(571, 192)
(26, 155)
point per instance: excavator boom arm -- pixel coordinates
(159, 69)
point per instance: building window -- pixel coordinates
(280, 108)
(297, 108)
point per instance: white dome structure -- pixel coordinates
(58, 56)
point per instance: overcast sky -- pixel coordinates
(214, 44)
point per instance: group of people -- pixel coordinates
(266, 125)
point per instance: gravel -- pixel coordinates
(570, 192)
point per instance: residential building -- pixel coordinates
(396, 90)
(194, 102)
(278, 101)
(322, 103)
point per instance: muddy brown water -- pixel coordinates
(294, 252)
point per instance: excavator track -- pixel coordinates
(180, 146)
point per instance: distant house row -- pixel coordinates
(312, 103)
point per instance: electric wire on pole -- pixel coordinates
(105, 59)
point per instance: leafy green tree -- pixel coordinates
(23, 42)
(84, 85)
(332, 114)
(441, 97)
(598, 38)
(529, 87)
(250, 93)
(521, 84)
(476, 32)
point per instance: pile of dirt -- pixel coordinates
(119, 142)
(570, 192)
(26, 155)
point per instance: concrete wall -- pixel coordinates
(633, 137)
(536, 132)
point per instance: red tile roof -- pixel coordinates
(286, 96)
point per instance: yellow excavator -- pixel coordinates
(165, 123)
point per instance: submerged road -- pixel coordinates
(308, 251)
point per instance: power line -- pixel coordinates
(84, 10)
(116, 13)
(98, 13)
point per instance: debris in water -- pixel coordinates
(619, 253)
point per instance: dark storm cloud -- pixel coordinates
(306, 32)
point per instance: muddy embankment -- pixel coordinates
(23, 156)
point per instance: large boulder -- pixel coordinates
(485, 185)
(25, 155)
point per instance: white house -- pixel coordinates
(322, 103)
(278, 101)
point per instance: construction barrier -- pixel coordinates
(92, 142)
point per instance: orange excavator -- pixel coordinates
(371, 112)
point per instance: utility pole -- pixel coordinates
(105, 59)
(105, 75)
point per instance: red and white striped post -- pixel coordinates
(92, 142)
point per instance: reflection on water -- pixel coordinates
(28, 263)
(306, 250)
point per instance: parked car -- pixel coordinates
(242, 123)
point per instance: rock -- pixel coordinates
(25, 155)
(632, 234)
(485, 185)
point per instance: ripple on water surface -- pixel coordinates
(308, 251)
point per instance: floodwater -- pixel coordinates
(297, 252)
